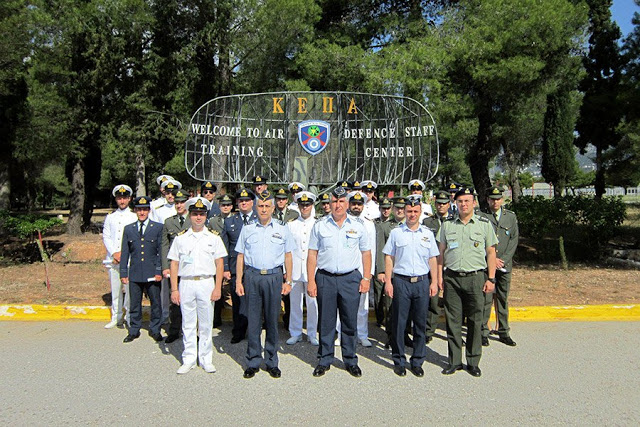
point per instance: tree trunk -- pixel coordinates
(76, 202)
(599, 184)
(141, 171)
(479, 157)
(5, 185)
(516, 190)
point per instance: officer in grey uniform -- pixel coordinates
(338, 246)
(467, 268)
(410, 257)
(173, 226)
(433, 223)
(263, 248)
(505, 225)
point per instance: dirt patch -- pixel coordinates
(77, 276)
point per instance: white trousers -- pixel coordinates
(165, 298)
(363, 318)
(297, 295)
(197, 309)
(119, 301)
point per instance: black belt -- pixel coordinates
(463, 273)
(412, 279)
(265, 271)
(335, 274)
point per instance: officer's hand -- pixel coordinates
(312, 289)
(488, 287)
(227, 275)
(286, 289)
(166, 273)
(433, 289)
(239, 289)
(381, 277)
(499, 263)
(364, 286)
(124, 280)
(175, 297)
(116, 257)
(216, 294)
(388, 290)
(157, 277)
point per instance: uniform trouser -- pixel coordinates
(175, 317)
(433, 316)
(410, 301)
(286, 315)
(153, 290)
(263, 293)
(362, 328)
(338, 294)
(238, 311)
(503, 284)
(197, 309)
(165, 297)
(119, 301)
(379, 301)
(219, 305)
(463, 297)
(298, 295)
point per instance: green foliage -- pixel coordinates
(526, 179)
(27, 225)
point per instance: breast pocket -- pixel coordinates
(327, 240)
(477, 239)
(277, 240)
(252, 241)
(352, 241)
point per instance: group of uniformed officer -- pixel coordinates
(271, 251)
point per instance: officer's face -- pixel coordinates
(442, 208)
(465, 204)
(494, 204)
(123, 201)
(142, 213)
(197, 218)
(259, 188)
(369, 193)
(326, 207)
(356, 208)
(208, 194)
(170, 197)
(282, 203)
(416, 191)
(305, 209)
(398, 213)
(226, 208)
(412, 213)
(180, 208)
(265, 210)
(245, 205)
(385, 212)
(339, 207)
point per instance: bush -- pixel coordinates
(26, 225)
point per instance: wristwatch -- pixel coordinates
(492, 280)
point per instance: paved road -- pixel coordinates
(79, 373)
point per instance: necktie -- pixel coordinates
(245, 219)
(280, 216)
(141, 227)
(495, 215)
(181, 220)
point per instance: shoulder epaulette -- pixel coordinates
(214, 232)
(451, 218)
(507, 210)
(483, 218)
(277, 221)
(292, 219)
(181, 233)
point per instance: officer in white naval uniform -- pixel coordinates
(197, 258)
(294, 188)
(112, 238)
(301, 230)
(371, 208)
(159, 201)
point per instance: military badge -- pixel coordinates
(313, 135)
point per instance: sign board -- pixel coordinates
(342, 135)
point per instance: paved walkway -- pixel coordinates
(59, 373)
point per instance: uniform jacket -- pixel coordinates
(215, 210)
(433, 223)
(169, 232)
(383, 229)
(141, 256)
(507, 231)
(289, 214)
(216, 223)
(230, 233)
(112, 231)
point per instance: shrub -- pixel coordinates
(26, 225)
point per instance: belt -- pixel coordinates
(335, 274)
(412, 279)
(463, 273)
(265, 271)
(196, 277)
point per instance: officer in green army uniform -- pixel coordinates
(215, 224)
(173, 226)
(325, 204)
(505, 225)
(384, 224)
(282, 210)
(433, 223)
(467, 268)
(398, 208)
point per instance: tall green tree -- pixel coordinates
(600, 112)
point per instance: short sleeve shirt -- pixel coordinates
(466, 244)
(411, 250)
(196, 253)
(263, 246)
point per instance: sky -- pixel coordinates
(622, 11)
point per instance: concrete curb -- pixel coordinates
(581, 313)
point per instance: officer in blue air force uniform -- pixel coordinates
(410, 255)
(338, 247)
(263, 247)
(141, 268)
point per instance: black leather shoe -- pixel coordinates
(485, 341)
(508, 341)
(354, 370)
(236, 340)
(399, 371)
(250, 372)
(387, 345)
(451, 369)
(130, 338)
(428, 340)
(474, 371)
(274, 372)
(217, 323)
(408, 342)
(320, 370)
(171, 338)
(417, 371)
(157, 337)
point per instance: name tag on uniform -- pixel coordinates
(187, 259)
(453, 245)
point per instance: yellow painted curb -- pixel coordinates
(581, 313)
